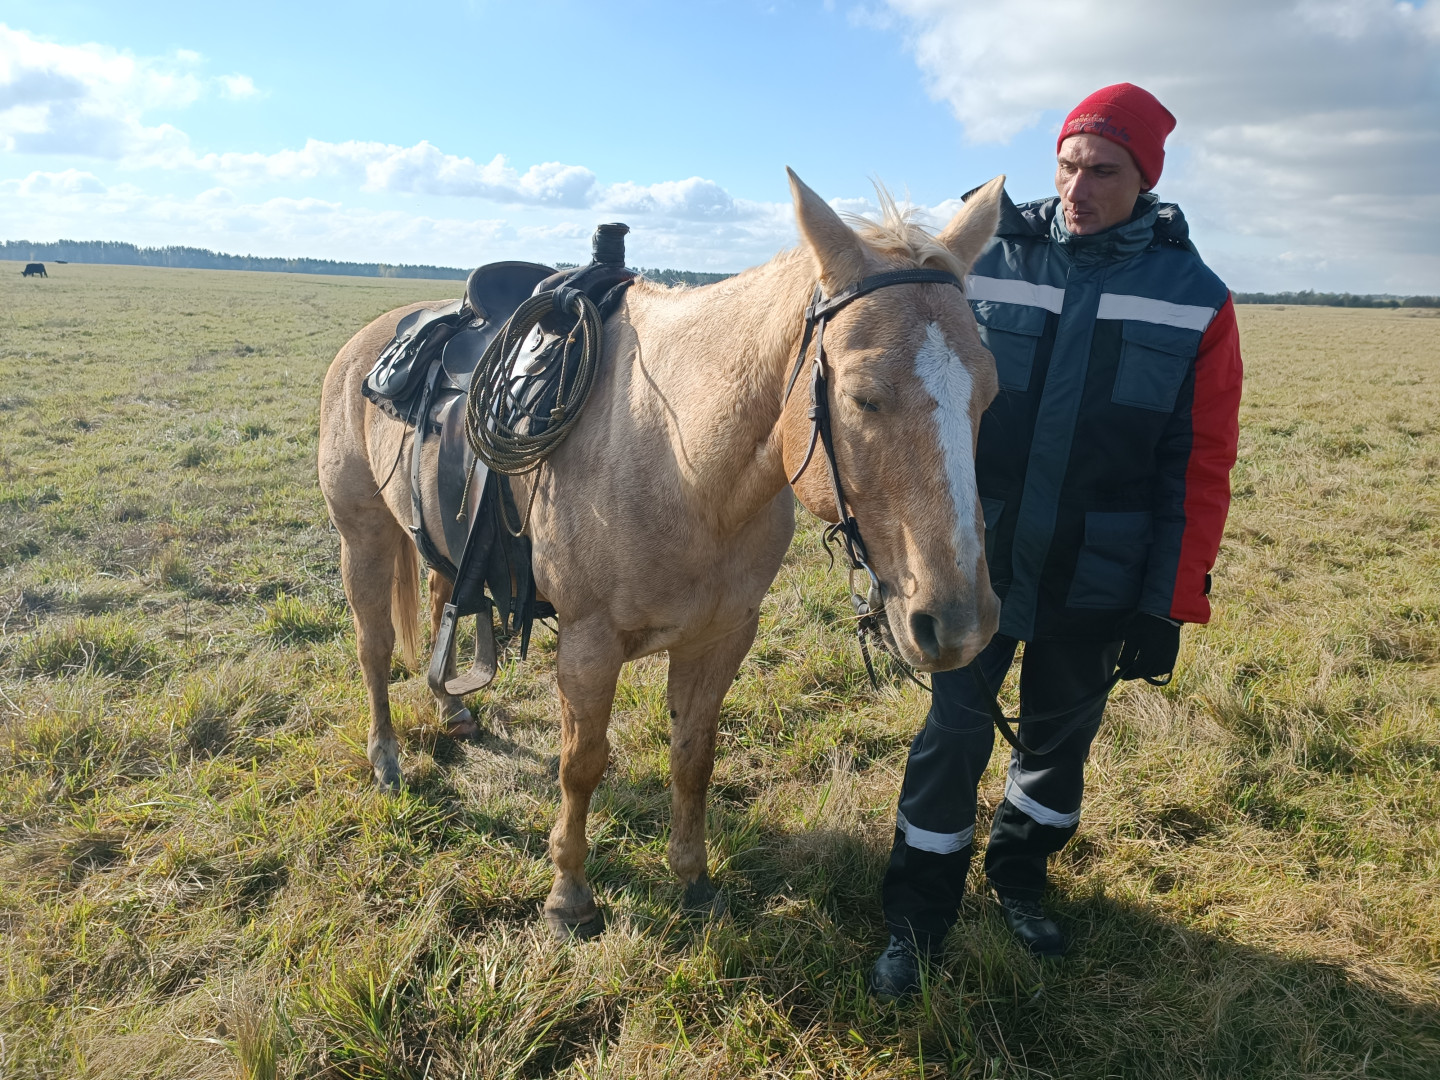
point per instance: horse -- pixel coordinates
(662, 519)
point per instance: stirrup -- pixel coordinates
(482, 669)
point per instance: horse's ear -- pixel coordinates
(834, 245)
(971, 229)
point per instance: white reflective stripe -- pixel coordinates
(1012, 291)
(1016, 797)
(1143, 309)
(939, 842)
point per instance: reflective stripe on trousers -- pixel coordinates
(935, 821)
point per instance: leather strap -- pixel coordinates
(1012, 736)
(417, 529)
(821, 307)
(917, 276)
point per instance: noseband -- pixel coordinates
(845, 533)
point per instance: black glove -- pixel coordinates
(1151, 645)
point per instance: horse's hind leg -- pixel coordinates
(368, 550)
(697, 684)
(587, 666)
(458, 720)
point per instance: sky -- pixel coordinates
(1307, 153)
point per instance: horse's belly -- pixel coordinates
(682, 588)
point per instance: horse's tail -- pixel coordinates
(405, 602)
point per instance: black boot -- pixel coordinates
(1032, 927)
(896, 973)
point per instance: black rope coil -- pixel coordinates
(504, 433)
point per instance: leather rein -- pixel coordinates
(845, 533)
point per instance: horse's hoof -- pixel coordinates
(462, 725)
(575, 925)
(389, 780)
(703, 900)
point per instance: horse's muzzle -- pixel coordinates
(939, 637)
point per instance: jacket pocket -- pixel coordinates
(1011, 332)
(991, 509)
(1110, 570)
(1153, 363)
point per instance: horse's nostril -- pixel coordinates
(924, 629)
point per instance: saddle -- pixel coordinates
(462, 513)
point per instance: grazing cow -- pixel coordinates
(34, 269)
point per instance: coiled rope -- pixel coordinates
(505, 433)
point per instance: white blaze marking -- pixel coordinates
(948, 381)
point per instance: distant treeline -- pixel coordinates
(681, 277)
(1330, 299)
(119, 252)
(122, 253)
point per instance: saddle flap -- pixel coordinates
(454, 482)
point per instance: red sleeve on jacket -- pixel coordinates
(1215, 433)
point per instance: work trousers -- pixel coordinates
(935, 823)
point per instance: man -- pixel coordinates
(1103, 469)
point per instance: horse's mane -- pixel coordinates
(900, 236)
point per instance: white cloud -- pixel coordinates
(91, 100)
(1314, 125)
(422, 169)
(47, 206)
(69, 182)
(238, 86)
(695, 199)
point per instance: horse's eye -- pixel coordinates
(865, 404)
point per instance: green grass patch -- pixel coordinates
(106, 644)
(289, 620)
(196, 879)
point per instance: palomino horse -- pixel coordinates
(661, 521)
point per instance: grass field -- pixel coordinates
(197, 880)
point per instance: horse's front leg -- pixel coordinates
(458, 720)
(587, 666)
(698, 681)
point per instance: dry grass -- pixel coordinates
(196, 879)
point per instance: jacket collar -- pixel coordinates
(1153, 221)
(1116, 243)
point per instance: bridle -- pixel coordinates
(845, 533)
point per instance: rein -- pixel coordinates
(845, 533)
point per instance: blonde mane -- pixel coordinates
(898, 235)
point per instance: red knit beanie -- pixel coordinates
(1128, 116)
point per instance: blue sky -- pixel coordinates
(447, 133)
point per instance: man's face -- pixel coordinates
(1098, 183)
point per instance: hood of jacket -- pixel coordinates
(1152, 223)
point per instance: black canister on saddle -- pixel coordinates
(608, 244)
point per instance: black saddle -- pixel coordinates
(492, 293)
(423, 378)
